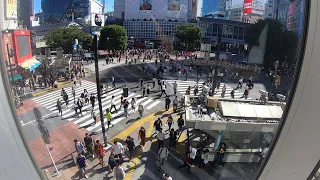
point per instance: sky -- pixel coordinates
(37, 5)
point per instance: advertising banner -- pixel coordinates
(145, 5)
(11, 9)
(247, 7)
(174, 5)
(97, 19)
(22, 46)
(7, 38)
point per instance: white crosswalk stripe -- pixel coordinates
(182, 87)
(49, 101)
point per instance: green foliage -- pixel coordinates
(64, 37)
(189, 34)
(281, 43)
(113, 37)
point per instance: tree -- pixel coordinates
(281, 43)
(113, 37)
(64, 37)
(188, 34)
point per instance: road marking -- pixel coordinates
(182, 137)
(153, 104)
(23, 124)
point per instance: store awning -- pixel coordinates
(31, 64)
(15, 77)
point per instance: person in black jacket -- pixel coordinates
(167, 103)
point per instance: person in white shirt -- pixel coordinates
(175, 104)
(112, 104)
(166, 176)
(193, 153)
(119, 173)
(160, 137)
(162, 155)
(117, 148)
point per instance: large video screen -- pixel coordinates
(23, 45)
(174, 5)
(145, 5)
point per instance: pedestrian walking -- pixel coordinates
(159, 84)
(223, 90)
(99, 149)
(187, 163)
(59, 106)
(94, 116)
(167, 103)
(142, 136)
(245, 93)
(108, 117)
(140, 110)
(73, 91)
(117, 148)
(169, 122)
(232, 94)
(180, 124)
(113, 80)
(163, 90)
(172, 138)
(221, 151)
(204, 158)
(175, 86)
(125, 108)
(154, 82)
(92, 100)
(141, 84)
(112, 104)
(89, 144)
(196, 90)
(80, 105)
(160, 138)
(157, 125)
(79, 146)
(162, 155)
(240, 82)
(75, 107)
(193, 153)
(80, 80)
(175, 104)
(111, 162)
(143, 90)
(82, 164)
(130, 145)
(148, 89)
(119, 173)
(121, 102)
(133, 105)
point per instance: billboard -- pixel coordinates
(145, 5)
(97, 19)
(7, 38)
(247, 7)
(173, 5)
(22, 45)
(11, 9)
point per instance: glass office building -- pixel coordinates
(214, 8)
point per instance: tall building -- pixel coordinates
(295, 16)
(235, 13)
(269, 9)
(281, 9)
(25, 10)
(119, 8)
(253, 10)
(214, 8)
(8, 15)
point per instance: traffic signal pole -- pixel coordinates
(95, 50)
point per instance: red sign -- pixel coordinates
(8, 39)
(22, 44)
(247, 7)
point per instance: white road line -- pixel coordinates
(153, 104)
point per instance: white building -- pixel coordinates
(156, 19)
(235, 13)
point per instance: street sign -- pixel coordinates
(37, 113)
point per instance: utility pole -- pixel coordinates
(95, 50)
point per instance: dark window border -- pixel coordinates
(301, 48)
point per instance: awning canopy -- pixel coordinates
(15, 77)
(31, 64)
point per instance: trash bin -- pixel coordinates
(125, 92)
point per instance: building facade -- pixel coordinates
(232, 32)
(269, 9)
(119, 8)
(235, 13)
(214, 8)
(281, 9)
(155, 20)
(295, 16)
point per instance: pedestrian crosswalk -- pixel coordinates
(49, 101)
(182, 87)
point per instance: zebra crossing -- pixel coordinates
(49, 101)
(182, 87)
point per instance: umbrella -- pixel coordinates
(31, 64)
